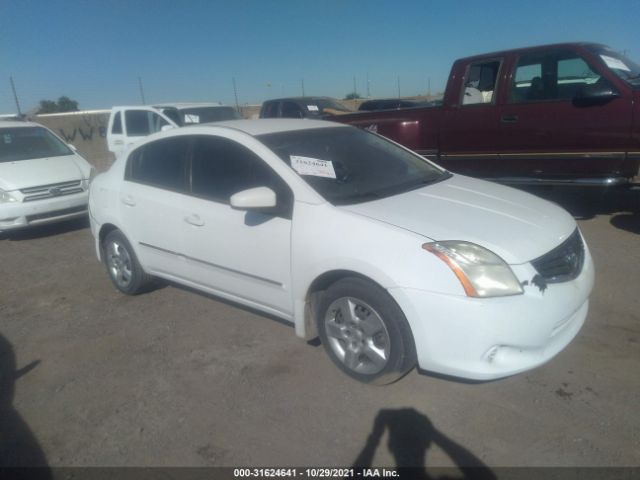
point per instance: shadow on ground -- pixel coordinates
(47, 230)
(18, 445)
(587, 202)
(410, 435)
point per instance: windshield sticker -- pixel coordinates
(615, 63)
(313, 108)
(7, 138)
(191, 118)
(313, 166)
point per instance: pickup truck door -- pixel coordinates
(127, 125)
(546, 134)
(470, 118)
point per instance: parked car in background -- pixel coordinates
(395, 103)
(127, 125)
(42, 179)
(383, 254)
(302, 107)
(565, 114)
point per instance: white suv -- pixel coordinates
(390, 259)
(42, 179)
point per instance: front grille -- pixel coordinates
(563, 263)
(56, 213)
(51, 190)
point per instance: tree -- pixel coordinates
(352, 96)
(64, 104)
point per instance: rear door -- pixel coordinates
(544, 134)
(151, 204)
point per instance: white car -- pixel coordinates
(390, 259)
(42, 179)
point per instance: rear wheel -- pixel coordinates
(123, 267)
(364, 332)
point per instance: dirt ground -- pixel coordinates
(173, 377)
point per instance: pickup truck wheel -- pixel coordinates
(123, 267)
(364, 332)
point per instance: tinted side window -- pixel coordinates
(480, 82)
(117, 124)
(142, 122)
(291, 110)
(161, 164)
(270, 110)
(221, 167)
(551, 75)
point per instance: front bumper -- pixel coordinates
(18, 215)
(489, 338)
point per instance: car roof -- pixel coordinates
(298, 99)
(188, 105)
(264, 126)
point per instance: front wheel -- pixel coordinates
(123, 267)
(364, 332)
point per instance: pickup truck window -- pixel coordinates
(551, 75)
(348, 165)
(117, 123)
(143, 122)
(480, 82)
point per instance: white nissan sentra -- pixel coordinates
(389, 259)
(42, 180)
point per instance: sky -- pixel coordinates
(98, 52)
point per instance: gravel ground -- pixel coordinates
(178, 378)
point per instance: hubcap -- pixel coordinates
(357, 335)
(119, 264)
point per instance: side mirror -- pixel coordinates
(260, 199)
(595, 94)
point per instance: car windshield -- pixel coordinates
(207, 114)
(624, 68)
(349, 165)
(26, 143)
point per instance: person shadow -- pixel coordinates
(410, 435)
(18, 446)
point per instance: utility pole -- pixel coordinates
(141, 91)
(428, 86)
(15, 96)
(368, 86)
(235, 93)
(398, 86)
(355, 90)
(302, 81)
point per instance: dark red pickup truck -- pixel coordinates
(557, 114)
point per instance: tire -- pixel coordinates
(372, 342)
(123, 267)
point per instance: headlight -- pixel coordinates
(6, 197)
(481, 272)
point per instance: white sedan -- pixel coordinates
(42, 179)
(389, 259)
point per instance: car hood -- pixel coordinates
(515, 225)
(39, 171)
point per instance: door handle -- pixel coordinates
(194, 220)
(128, 200)
(509, 118)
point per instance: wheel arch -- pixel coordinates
(308, 329)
